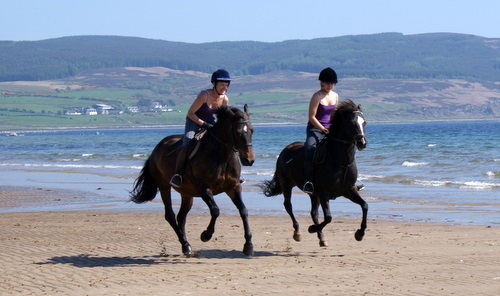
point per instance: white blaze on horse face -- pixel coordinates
(245, 128)
(360, 122)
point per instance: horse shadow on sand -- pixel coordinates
(86, 260)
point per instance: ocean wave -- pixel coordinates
(52, 165)
(474, 185)
(412, 164)
(493, 174)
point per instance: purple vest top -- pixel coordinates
(205, 113)
(323, 114)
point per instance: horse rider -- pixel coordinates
(201, 115)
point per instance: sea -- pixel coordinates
(443, 172)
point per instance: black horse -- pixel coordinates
(213, 169)
(335, 171)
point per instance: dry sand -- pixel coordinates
(116, 253)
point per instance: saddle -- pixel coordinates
(194, 144)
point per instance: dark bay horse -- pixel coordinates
(213, 169)
(335, 171)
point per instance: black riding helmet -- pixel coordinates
(221, 75)
(328, 75)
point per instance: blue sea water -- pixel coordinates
(438, 172)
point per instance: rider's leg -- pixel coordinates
(310, 146)
(180, 164)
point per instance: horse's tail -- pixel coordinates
(145, 187)
(271, 188)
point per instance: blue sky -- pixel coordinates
(257, 20)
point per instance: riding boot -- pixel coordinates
(180, 164)
(308, 185)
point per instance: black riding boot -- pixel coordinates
(308, 185)
(180, 164)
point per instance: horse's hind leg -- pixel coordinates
(314, 216)
(287, 193)
(170, 217)
(356, 198)
(238, 202)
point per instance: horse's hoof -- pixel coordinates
(186, 250)
(205, 236)
(312, 229)
(248, 250)
(323, 243)
(359, 235)
(297, 236)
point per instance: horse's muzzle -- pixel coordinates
(361, 142)
(247, 156)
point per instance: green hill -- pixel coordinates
(382, 56)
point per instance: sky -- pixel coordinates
(247, 20)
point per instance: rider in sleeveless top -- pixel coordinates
(323, 103)
(201, 115)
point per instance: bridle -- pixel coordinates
(233, 137)
(354, 139)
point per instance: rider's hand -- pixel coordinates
(207, 125)
(326, 131)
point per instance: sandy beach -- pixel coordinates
(121, 253)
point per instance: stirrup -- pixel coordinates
(361, 186)
(176, 180)
(308, 187)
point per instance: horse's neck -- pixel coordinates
(217, 142)
(342, 152)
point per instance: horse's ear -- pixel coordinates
(359, 107)
(246, 109)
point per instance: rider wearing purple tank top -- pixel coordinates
(201, 114)
(321, 106)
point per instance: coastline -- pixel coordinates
(4, 131)
(103, 252)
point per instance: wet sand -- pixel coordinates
(100, 252)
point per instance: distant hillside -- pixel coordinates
(276, 97)
(387, 56)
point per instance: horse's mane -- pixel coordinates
(346, 106)
(223, 112)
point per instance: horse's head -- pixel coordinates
(239, 131)
(348, 124)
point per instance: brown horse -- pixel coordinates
(213, 169)
(335, 171)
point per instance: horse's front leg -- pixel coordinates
(238, 202)
(208, 198)
(314, 215)
(354, 196)
(170, 217)
(325, 205)
(186, 205)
